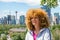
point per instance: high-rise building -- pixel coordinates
(22, 19)
(48, 10)
(16, 17)
(1, 20)
(8, 19)
(13, 20)
(57, 17)
(5, 20)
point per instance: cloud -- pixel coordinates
(29, 2)
(32, 2)
(7, 0)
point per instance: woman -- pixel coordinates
(37, 24)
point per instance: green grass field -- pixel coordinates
(4, 29)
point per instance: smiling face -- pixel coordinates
(35, 21)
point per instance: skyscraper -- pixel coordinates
(57, 17)
(48, 10)
(5, 20)
(13, 20)
(8, 19)
(16, 17)
(1, 21)
(22, 19)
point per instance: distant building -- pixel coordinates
(5, 20)
(22, 19)
(8, 19)
(13, 20)
(48, 10)
(57, 17)
(1, 20)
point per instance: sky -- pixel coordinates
(8, 7)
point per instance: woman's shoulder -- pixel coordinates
(47, 30)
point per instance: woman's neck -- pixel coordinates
(37, 29)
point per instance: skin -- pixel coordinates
(35, 22)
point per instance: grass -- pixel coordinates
(55, 31)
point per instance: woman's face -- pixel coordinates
(35, 21)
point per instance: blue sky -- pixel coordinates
(10, 6)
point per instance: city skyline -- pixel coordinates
(8, 7)
(11, 19)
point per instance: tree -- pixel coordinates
(50, 3)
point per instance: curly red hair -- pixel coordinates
(41, 14)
